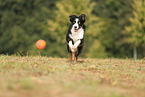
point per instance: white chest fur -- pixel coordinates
(77, 35)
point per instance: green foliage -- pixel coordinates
(21, 24)
(113, 27)
(115, 14)
(96, 50)
(136, 31)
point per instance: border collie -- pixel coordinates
(75, 35)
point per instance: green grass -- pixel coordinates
(57, 77)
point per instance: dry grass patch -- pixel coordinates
(57, 77)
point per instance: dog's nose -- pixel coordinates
(75, 26)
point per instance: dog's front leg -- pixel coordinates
(76, 46)
(77, 43)
(72, 47)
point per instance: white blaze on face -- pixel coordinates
(76, 25)
(76, 33)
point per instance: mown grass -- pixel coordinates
(57, 77)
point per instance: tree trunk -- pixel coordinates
(135, 53)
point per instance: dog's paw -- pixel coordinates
(73, 49)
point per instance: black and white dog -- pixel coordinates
(75, 35)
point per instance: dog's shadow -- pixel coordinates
(79, 61)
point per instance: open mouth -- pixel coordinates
(75, 30)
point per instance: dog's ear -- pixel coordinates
(72, 17)
(82, 18)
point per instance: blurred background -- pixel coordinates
(114, 28)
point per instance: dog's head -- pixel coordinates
(77, 22)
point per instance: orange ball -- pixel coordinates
(40, 44)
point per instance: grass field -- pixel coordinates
(57, 77)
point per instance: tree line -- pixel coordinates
(114, 28)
